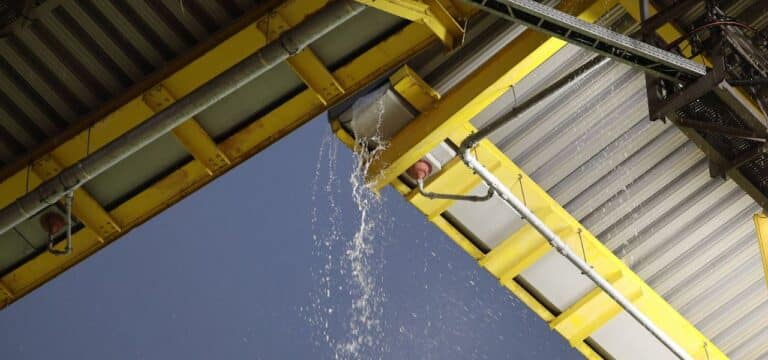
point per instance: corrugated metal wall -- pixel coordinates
(70, 57)
(644, 189)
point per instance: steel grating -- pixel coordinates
(594, 37)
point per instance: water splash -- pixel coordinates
(350, 291)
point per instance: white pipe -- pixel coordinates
(554, 240)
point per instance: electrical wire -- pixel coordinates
(710, 25)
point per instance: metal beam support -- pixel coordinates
(260, 133)
(422, 97)
(594, 310)
(133, 112)
(595, 38)
(414, 89)
(190, 134)
(84, 206)
(733, 97)
(594, 253)
(723, 130)
(761, 228)
(426, 131)
(6, 296)
(430, 13)
(522, 250)
(673, 12)
(159, 124)
(305, 64)
(472, 95)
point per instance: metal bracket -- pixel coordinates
(595, 38)
(722, 170)
(659, 107)
(475, 198)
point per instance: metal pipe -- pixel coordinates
(721, 130)
(288, 44)
(68, 248)
(431, 195)
(465, 151)
(562, 248)
(580, 73)
(645, 10)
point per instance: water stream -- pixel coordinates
(349, 290)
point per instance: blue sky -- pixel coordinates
(232, 272)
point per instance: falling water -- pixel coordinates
(350, 291)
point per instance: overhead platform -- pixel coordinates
(638, 202)
(203, 39)
(633, 198)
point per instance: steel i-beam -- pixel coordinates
(595, 38)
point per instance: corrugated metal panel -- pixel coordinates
(644, 189)
(70, 57)
(166, 154)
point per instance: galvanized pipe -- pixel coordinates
(576, 75)
(431, 195)
(288, 44)
(465, 151)
(645, 10)
(493, 182)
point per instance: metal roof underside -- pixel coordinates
(29, 62)
(644, 189)
(65, 59)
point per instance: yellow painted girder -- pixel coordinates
(451, 174)
(190, 134)
(761, 228)
(84, 206)
(411, 87)
(180, 83)
(525, 247)
(476, 92)
(422, 97)
(355, 75)
(594, 310)
(431, 13)
(449, 118)
(305, 64)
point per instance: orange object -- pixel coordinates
(52, 222)
(420, 170)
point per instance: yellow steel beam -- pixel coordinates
(355, 75)
(477, 91)
(413, 89)
(448, 118)
(667, 32)
(190, 134)
(6, 296)
(135, 111)
(305, 64)
(84, 206)
(594, 310)
(523, 248)
(761, 228)
(422, 97)
(431, 13)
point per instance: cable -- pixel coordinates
(707, 26)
